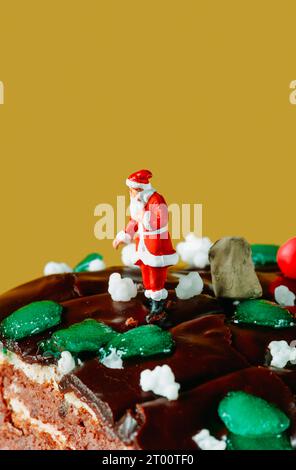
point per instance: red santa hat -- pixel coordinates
(139, 179)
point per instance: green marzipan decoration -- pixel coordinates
(143, 341)
(247, 415)
(263, 313)
(84, 264)
(93, 336)
(88, 335)
(264, 254)
(31, 319)
(274, 442)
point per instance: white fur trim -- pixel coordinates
(135, 185)
(158, 295)
(146, 220)
(159, 231)
(146, 195)
(158, 261)
(155, 261)
(124, 237)
(147, 293)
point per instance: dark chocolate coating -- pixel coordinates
(212, 356)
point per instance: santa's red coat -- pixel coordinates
(153, 241)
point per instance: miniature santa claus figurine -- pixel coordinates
(148, 226)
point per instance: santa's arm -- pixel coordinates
(156, 217)
(127, 235)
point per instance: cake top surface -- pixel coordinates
(213, 353)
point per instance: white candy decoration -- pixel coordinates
(66, 363)
(189, 286)
(284, 297)
(121, 289)
(129, 255)
(161, 381)
(96, 265)
(205, 441)
(282, 353)
(113, 360)
(56, 268)
(195, 250)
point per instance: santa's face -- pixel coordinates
(134, 192)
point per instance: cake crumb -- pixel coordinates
(132, 322)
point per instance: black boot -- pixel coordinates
(157, 312)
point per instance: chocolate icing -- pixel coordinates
(212, 356)
(204, 343)
(172, 424)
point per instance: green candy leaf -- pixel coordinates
(247, 415)
(263, 313)
(84, 264)
(143, 341)
(276, 442)
(264, 254)
(31, 319)
(88, 335)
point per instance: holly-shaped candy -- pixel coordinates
(286, 258)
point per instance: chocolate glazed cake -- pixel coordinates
(93, 406)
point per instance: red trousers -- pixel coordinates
(153, 278)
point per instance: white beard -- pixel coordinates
(136, 208)
(139, 202)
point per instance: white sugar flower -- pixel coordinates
(189, 286)
(96, 265)
(129, 255)
(113, 360)
(284, 297)
(66, 363)
(195, 250)
(161, 381)
(282, 353)
(56, 268)
(205, 441)
(121, 289)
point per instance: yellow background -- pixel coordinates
(196, 91)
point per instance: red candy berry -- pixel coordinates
(286, 258)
